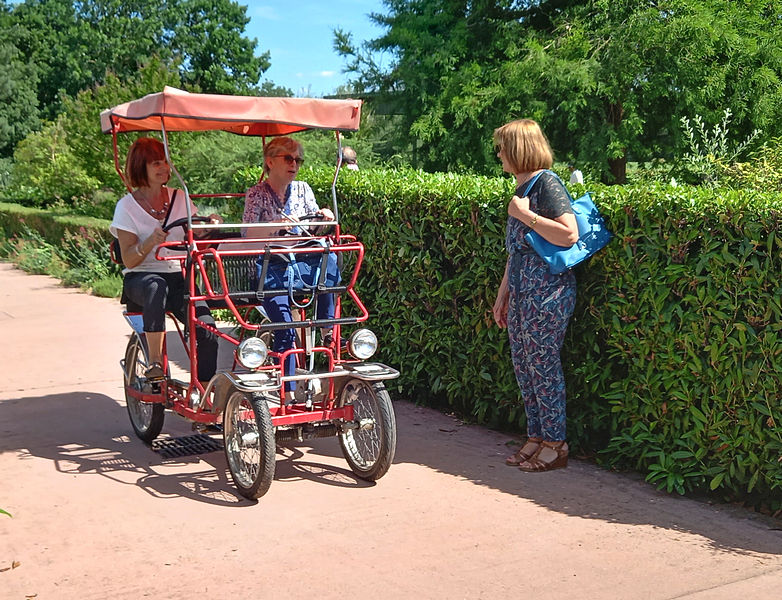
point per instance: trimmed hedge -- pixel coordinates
(673, 357)
(52, 224)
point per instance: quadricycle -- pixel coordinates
(339, 391)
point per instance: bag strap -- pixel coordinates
(294, 270)
(534, 179)
(532, 182)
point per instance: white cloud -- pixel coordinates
(328, 73)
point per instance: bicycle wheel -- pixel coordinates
(248, 436)
(369, 447)
(145, 417)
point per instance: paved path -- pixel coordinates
(97, 515)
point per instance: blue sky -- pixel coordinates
(298, 34)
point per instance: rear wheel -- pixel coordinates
(370, 443)
(145, 417)
(248, 436)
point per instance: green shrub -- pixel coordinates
(51, 224)
(673, 357)
(45, 169)
(763, 171)
(71, 248)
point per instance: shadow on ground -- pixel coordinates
(83, 433)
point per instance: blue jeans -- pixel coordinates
(278, 309)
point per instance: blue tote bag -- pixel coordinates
(593, 235)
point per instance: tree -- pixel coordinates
(81, 117)
(74, 44)
(18, 102)
(46, 169)
(207, 36)
(608, 79)
(646, 65)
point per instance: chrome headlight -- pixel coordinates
(252, 353)
(362, 344)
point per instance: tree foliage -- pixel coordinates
(46, 168)
(81, 117)
(608, 79)
(18, 101)
(74, 44)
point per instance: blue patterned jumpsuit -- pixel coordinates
(540, 305)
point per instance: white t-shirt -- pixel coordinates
(576, 176)
(129, 216)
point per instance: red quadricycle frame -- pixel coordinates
(339, 393)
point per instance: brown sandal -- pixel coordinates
(542, 460)
(527, 451)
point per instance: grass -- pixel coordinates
(78, 261)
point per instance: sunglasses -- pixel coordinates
(290, 159)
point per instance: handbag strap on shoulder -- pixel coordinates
(558, 178)
(533, 180)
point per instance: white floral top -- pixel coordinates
(262, 204)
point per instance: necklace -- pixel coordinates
(278, 201)
(155, 212)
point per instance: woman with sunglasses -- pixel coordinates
(273, 203)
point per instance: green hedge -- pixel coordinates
(51, 224)
(71, 248)
(673, 357)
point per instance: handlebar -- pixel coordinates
(316, 230)
(183, 221)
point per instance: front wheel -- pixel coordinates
(369, 442)
(145, 417)
(248, 436)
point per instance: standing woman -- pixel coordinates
(157, 285)
(532, 303)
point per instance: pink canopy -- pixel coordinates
(178, 110)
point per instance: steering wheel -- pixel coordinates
(213, 234)
(183, 222)
(313, 229)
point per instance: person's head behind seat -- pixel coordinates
(349, 155)
(278, 146)
(143, 151)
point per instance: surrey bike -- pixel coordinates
(339, 393)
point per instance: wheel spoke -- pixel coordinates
(146, 417)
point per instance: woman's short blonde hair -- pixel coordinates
(524, 145)
(143, 151)
(280, 145)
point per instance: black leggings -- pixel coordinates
(158, 293)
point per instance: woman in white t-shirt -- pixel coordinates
(155, 285)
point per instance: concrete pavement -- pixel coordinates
(96, 514)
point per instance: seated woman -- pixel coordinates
(157, 285)
(276, 201)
